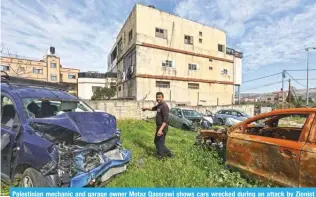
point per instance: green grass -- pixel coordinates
(193, 166)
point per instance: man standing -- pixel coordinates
(162, 118)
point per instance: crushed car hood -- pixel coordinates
(94, 127)
(194, 118)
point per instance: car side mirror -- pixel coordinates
(180, 116)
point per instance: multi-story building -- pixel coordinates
(88, 82)
(187, 61)
(48, 69)
(276, 97)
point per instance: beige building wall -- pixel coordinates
(214, 71)
(47, 69)
(149, 61)
(207, 94)
(148, 19)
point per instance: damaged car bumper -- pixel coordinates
(115, 162)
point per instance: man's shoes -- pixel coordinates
(159, 157)
(170, 155)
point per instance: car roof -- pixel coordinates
(184, 108)
(37, 92)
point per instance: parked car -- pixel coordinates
(186, 119)
(279, 146)
(50, 138)
(221, 116)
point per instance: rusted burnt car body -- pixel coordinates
(279, 146)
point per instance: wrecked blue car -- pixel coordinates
(50, 138)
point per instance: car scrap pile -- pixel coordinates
(212, 136)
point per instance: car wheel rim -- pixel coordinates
(27, 181)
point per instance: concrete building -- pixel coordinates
(275, 97)
(88, 82)
(48, 69)
(187, 61)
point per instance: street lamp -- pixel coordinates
(307, 90)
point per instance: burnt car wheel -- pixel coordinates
(221, 121)
(33, 178)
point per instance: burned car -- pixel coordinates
(50, 138)
(279, 146)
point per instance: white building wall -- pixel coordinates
(85, 86)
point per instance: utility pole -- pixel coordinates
(283, 76)
(289, 93)
(307, 89)
(239, 95)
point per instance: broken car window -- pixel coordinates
(41, 108)
(287, 126)
(191, 113)
(9, 116)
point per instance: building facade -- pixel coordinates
(187, 61)
(48, 69)
(88, 82)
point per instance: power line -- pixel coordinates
(301, 70)
(295, 79)
(263, 77)
(263, 86)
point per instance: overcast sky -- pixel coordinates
(271, 34)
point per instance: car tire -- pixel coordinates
(220, 121)
(185, 127)
(33, 178)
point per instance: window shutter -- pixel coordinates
(173, 64)
(197, 66)
(124, 75)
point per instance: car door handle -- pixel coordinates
(287, 153)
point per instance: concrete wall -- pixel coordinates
(132, 109)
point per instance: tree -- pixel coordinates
(103, 93)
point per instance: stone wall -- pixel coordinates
(126, 109)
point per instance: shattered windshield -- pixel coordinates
(191, 113)
(39, 108)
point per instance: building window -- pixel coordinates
(167, 63)
(53, 65)
(210, 68)
(162, 84)
(4, 67)
(37, 70)
(188, 39)
(200, 33)
(224, 71)
(193, 67)
(53, 77)
(120, 88)
(130, 36)
(21, 69)
(221, 47)
(120, 46)
(71, 76)
(161, 33)
(200, 40)
(94, 88)
(194, 86)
